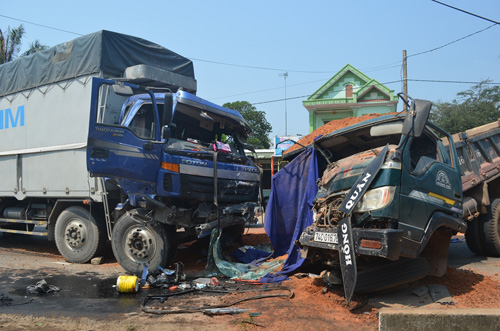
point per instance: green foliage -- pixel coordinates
(10, 43)
(257, 121)
(474, 107)
(35, 47)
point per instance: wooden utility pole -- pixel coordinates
(405, 81)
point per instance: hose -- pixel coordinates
(201, 309)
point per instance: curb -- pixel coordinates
(439, 319)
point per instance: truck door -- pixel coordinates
(429, 183)
(123, 148)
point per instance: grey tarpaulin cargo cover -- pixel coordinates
(105, 52)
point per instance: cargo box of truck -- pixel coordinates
(103, 138)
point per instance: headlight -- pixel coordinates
(376, 199)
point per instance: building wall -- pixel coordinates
(330, 101)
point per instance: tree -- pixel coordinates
(474, 107)
(35, 47)
(257, 121)
(10, 43)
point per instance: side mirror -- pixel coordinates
(417, 117)
(167, 109)
(251, 148)
(122, 89)
(165, 132)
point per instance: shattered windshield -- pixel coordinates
(196, 129)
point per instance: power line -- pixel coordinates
(451, 42)
(304, 96)
(451, 81)
(270, 89)
(43, 26)
(381, 84)
(260, 68)
(469, 13)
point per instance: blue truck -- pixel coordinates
(104, 139)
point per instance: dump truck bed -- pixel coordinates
(479, 154)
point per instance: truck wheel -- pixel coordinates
(491, 231)
(136, 244)
(391, 274)
(78, 235)
(473, 235)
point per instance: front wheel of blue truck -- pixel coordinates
(137, 242)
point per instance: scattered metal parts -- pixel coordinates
(8, 301)
(5, 300)
(42, 288)
(330, 278)
(421, 291)
(440, 294)
(165, 277)
(225, 311)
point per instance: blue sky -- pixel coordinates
(310, 40)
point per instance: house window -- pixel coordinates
(348, 91)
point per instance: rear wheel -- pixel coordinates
(78, 235)
(473, 235)
(491, 230)
(137, 244)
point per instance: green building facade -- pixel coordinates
(349, 93)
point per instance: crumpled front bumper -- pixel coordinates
(384, 243)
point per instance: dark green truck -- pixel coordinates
(391, 198)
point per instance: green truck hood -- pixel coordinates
(341, 175)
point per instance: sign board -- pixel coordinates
(281, 144)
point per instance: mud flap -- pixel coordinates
(347, 252)
(347, 257)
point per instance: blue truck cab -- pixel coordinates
(175, 167)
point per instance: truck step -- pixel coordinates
(31, 233)
(10, 220)
(29, 224)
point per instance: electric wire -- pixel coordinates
(41, 25)
(466, 12)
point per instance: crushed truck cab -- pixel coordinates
(390, 195)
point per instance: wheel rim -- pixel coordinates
(139, 244)
(76, 234)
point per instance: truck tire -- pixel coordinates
(391, 274)
(136, 244)
(78, 235)
(491, 230)
(473, 235)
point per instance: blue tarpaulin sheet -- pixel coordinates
(288, 211)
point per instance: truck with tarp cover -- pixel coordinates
(103, 138)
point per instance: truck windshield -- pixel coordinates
(195, 129)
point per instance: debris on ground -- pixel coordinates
(440, 294)
(5, 300)
(41, 288)
(225, 311)
(211, 297)
(96, 260)
(165, 277)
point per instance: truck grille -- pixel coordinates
(202, 189)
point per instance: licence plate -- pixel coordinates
(326, 237)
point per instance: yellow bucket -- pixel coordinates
(127, 284)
